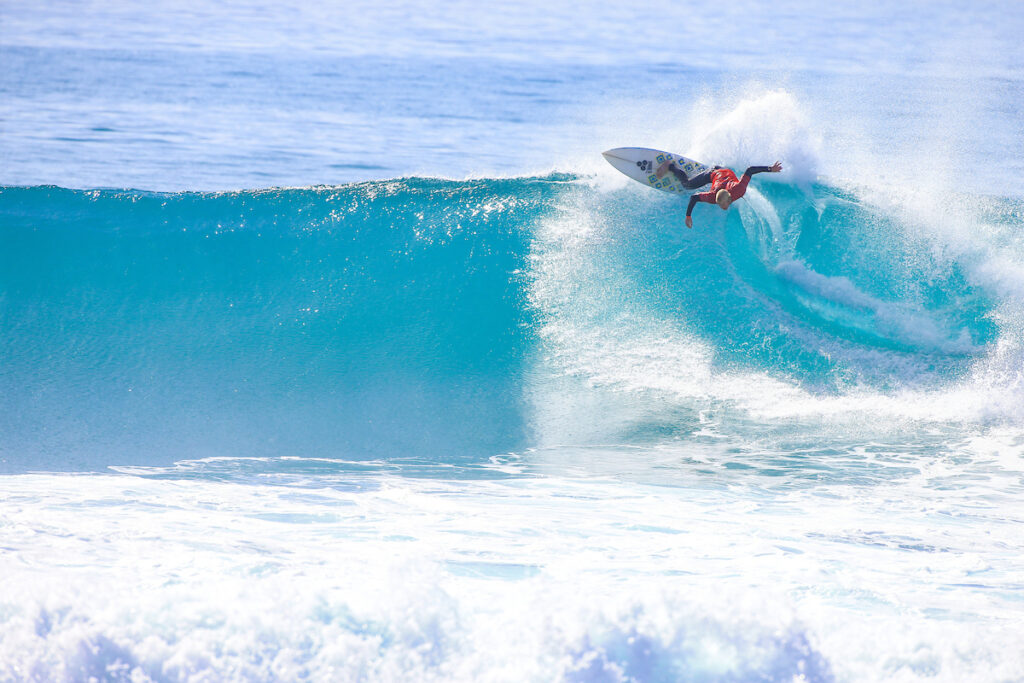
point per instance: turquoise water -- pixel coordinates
(333, 350)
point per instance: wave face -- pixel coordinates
(441, 321)
(374, 319)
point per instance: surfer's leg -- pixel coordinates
(679, 174)
(699, 180)
(676, 171)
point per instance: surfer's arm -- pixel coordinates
(693, 203)
(741, 187)
(774, 168)
(694, 198)
(708, 197)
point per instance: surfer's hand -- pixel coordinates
(689, 222)
(776, 167)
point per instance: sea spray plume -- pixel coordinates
(761, 126)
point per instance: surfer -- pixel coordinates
(725, 187)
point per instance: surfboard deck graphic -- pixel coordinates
(640, 163)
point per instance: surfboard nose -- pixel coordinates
(642, 164)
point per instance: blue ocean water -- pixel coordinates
(333, 350)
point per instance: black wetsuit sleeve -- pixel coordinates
(757, 169)
(693, 203)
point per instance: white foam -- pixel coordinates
(126, 578)
(754, 128)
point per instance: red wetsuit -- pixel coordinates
(725, 179)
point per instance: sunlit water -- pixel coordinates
(377, 371)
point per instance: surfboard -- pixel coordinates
(640, 163)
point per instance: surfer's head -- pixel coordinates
(723, 199)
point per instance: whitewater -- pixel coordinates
(331, 348)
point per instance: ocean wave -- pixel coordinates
(425, 316)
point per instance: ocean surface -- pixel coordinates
(331, 349)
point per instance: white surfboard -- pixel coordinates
(640, 163)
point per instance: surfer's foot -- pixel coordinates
(663, 169)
